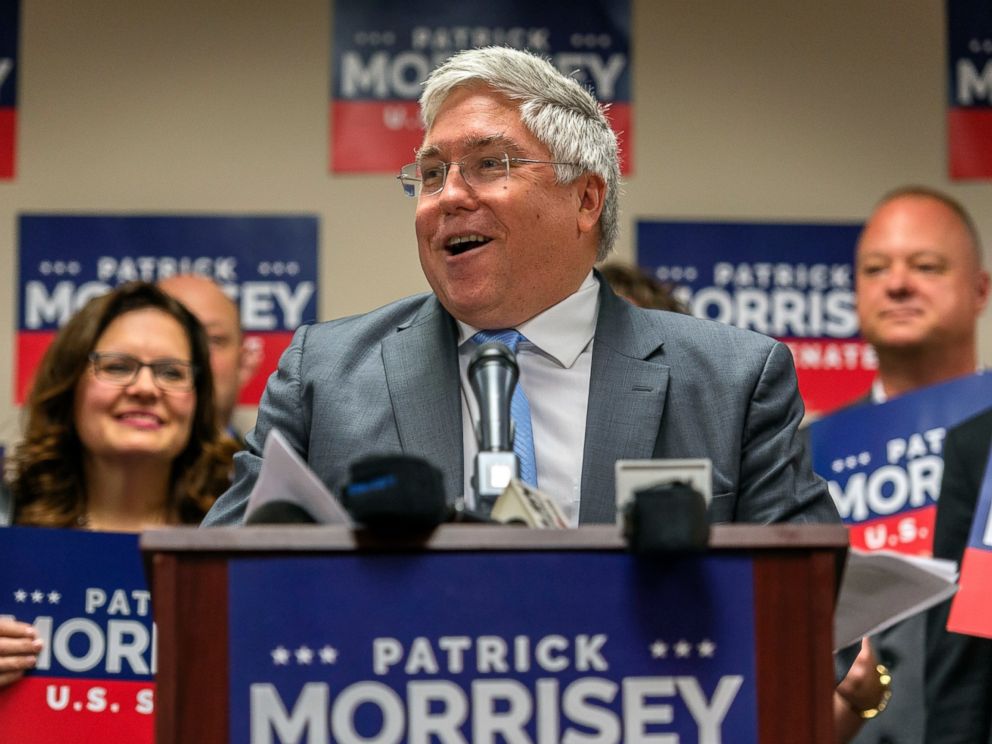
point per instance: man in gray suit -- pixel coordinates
(517, 186)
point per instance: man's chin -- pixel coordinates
(903, 343)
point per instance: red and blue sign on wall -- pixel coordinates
(791, 281)
(969, 88)
(267, 264)
(883, 463)
(485, 647)
(383, 51)
(9, 29)
(86, 595)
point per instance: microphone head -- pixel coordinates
(396, 493)
(492, 352)
(492, 373)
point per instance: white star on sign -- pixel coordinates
(37, 596)
(328, 655)
(706, 648)
(54, 597)
(280, 656)
(20, 596)
(303, 655)
(683, 649)
(659, 650)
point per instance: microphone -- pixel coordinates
(522, 504)
(396, 493)
(666, 517)
(492, 374)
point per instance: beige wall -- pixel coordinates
(770, 109)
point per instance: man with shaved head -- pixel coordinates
(920, 290)
(233, 362)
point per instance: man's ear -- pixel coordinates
(591, 189)
(983, 290)
(252, 348)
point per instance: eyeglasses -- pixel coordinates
(170, 375)
(427, 177)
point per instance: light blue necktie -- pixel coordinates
(523, 439)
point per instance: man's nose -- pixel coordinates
(899, 280)
(456, 190)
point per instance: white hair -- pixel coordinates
(555, 108)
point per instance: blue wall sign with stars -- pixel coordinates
(475, 647)
(267, 264)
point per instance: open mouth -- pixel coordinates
(465, 243)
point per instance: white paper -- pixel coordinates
(881, 588)
(285, 477)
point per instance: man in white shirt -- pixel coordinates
(517, 187)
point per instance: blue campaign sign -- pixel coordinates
(9, 32)
(792, 281)
(969, 37)
(883, 463)
(971, 609)
(530, 647)
(383, 51)
(267, 264)
(969, 88)
(86, 595)
(980, 536)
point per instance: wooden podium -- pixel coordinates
(794, 586)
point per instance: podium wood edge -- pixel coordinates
(182, 586)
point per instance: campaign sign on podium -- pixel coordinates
(86, 594)
(525, 646)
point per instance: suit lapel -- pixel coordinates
(626, 400)
(421, 365)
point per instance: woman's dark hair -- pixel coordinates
(641, 288)
(46, 469)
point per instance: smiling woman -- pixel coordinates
(120, 432)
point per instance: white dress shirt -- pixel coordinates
(555, 362)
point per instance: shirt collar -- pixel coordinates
(563, 330)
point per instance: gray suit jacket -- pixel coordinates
(662, 385)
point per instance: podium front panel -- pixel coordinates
(473, 646)
(473, 632)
